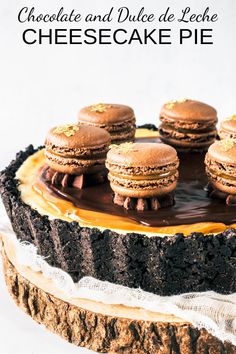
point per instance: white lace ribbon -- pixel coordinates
(214, 312)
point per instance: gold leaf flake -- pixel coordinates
(66, 129)
(100, 107)
(227, 144)
(172, 103)
(182, 100)
(113, 146)
(233, 117)
(125, 147)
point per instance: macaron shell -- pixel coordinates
(188, 135)
(187, 145)
(84, 137)
(189, 140)
(118, 132)
(221, 165)
(229, 125)
(124, 136)
(220, 168)
(183, 125)
(228, 129)
(229, 189)
(114, 127)
(225, 185)
(142, 155)
(74, 166)
(88, 152)
(189, 110)
(143, 193)
(142, 170)
(108, 115)
(223, 134)
(223, 151)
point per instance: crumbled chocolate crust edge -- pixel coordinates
(162, 265)
(105, 333)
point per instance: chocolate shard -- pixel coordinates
(57, 179)
(231, 200)
(97, 178)
(129, 203)
(78, 182)
(142, 204)
(155, 205)
(66, 180)
(167, 201)
(48, 173)
(218, 194)
(119, 199)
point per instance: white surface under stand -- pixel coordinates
(49, 85)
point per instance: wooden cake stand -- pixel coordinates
(100, 327)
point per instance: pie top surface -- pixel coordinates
(193, 211)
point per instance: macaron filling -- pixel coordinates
(78, 152)
(184, 125)
(135, 171)
(146, 177)
(187, 135)
(114, 127)
(148, 181)
(75, 161)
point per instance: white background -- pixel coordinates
(41, 86)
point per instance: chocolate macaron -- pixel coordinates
(221, 167)
(142, 175)
(228, 128)
(117, 119)
(77, 150)
(188, 124)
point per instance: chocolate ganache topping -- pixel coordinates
(193, 203)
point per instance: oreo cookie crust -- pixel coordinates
(162, 265)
